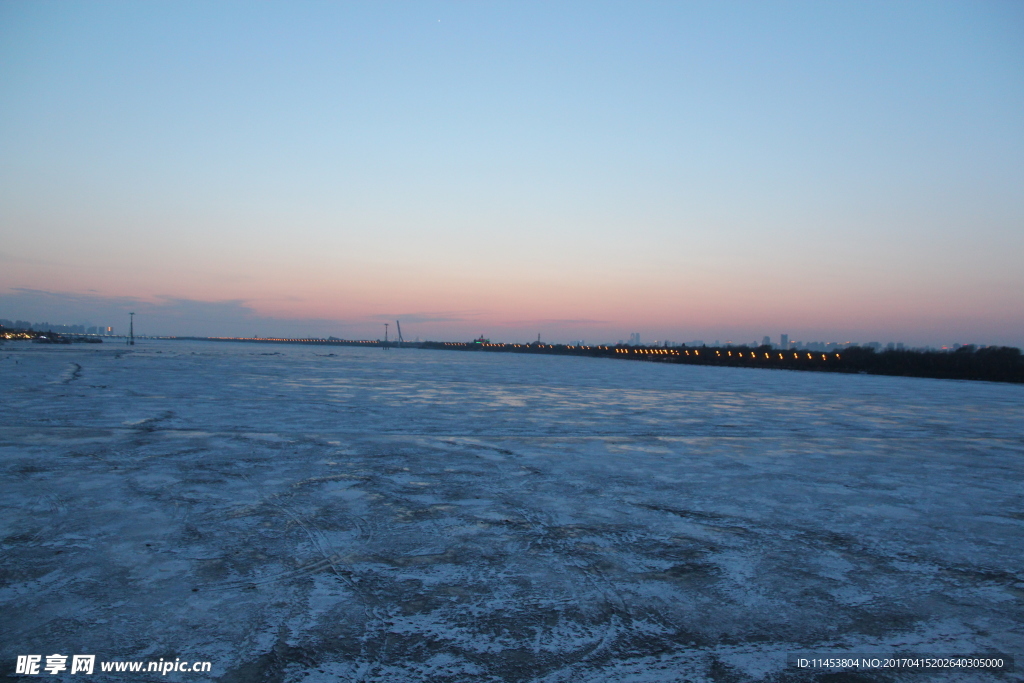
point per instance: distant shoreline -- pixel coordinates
(48, 337)
(990, 364)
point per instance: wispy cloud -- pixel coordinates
(162, 315)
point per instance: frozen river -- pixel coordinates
(292, 513)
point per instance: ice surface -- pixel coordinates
(442, 516)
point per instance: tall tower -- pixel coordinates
(131, 329)
(784, 341)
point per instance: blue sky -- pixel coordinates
(687, 170)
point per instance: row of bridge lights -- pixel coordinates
(752, 354)
(660, 352)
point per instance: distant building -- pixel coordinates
(784, 341)
(767, 341)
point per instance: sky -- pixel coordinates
(579, 170)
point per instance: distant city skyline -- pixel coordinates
(831, 171)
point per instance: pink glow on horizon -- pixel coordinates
(564, 305)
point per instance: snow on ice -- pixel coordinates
(439, 516)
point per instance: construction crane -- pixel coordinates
(400, 340)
